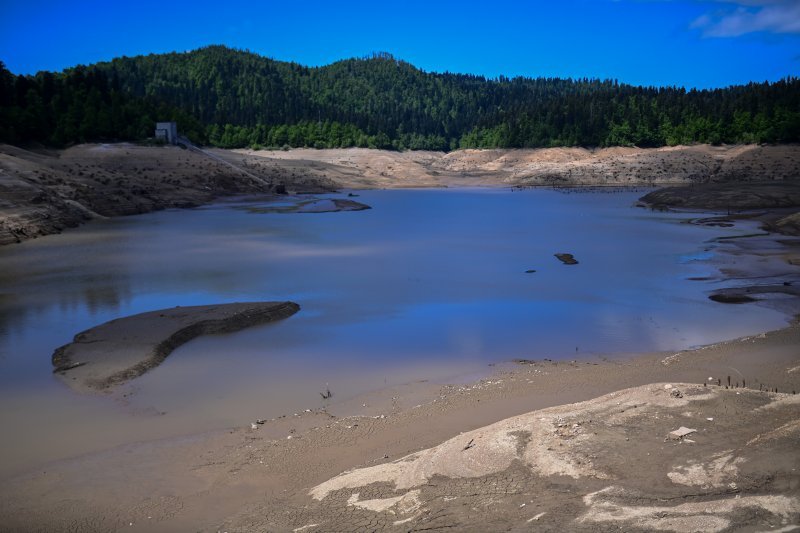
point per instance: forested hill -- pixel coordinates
(233, 98)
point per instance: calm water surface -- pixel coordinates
(428, 284)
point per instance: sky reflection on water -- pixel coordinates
(427, 284)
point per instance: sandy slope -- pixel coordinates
(356, 167)
(44, 192)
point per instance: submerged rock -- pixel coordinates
(567, 259)
(746, 294)
(681, 432)
(725, 298)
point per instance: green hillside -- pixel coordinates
(233, 98)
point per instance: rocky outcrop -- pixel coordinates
(750, 293)
(615, 462)
(790, 224)
(304, 204)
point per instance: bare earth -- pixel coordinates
(44, 192)
(362, 168)
(552, 446)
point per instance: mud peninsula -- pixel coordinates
(122, 349)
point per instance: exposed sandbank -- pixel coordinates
(728, 196)
(122, 349)
(296, 204)
(774, 204)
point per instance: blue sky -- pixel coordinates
(692, 43)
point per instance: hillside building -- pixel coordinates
(168, 131)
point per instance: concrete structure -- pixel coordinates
(168, 131)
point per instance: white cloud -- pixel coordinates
(748, 16)
(733, 18)
(740, 17)
(751, 2)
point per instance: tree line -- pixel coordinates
(233, 98)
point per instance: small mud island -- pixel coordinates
(125, 348)
(308, 205)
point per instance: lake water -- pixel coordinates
(429, 284)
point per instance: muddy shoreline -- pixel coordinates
(773, 204)
(46, 191)
(603, 464)
(260, 479)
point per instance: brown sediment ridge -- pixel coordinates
(46, 191)
(570, 167)
(122, 349)
(774, 204)
(728, 196)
